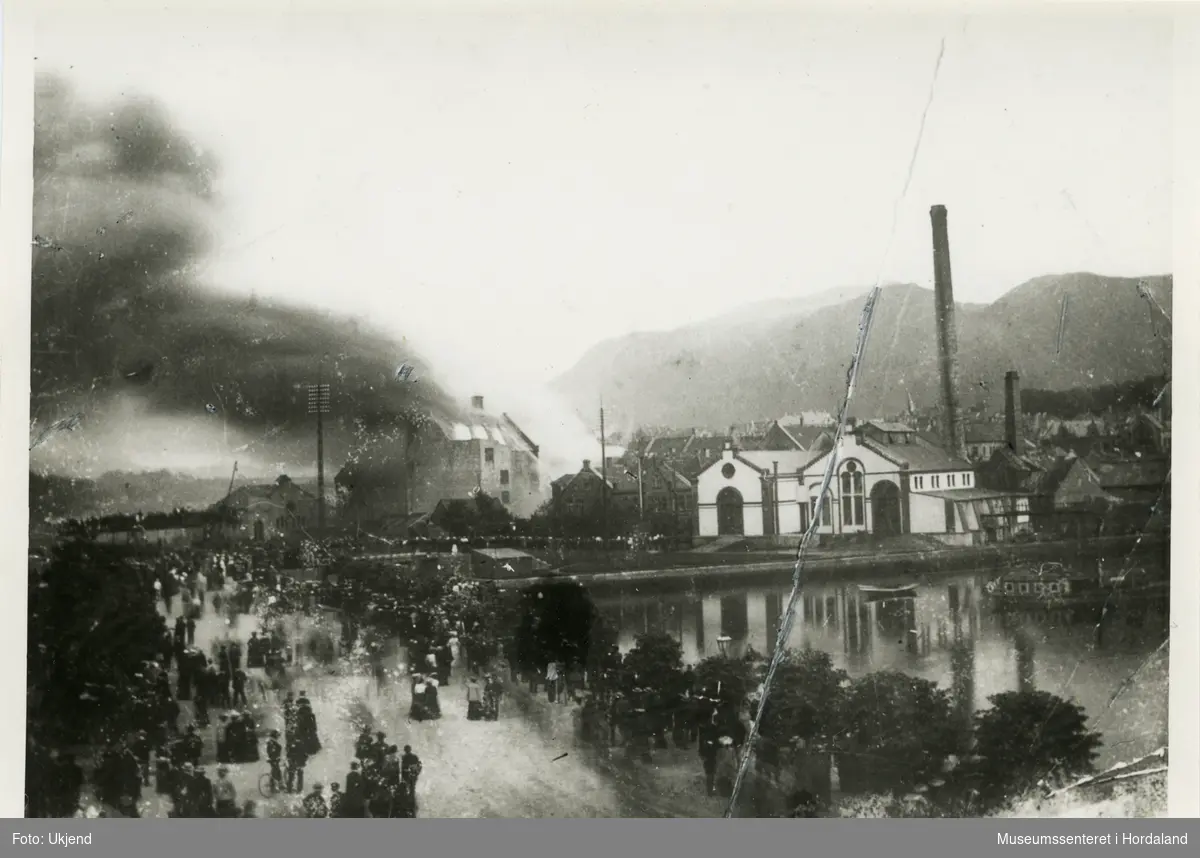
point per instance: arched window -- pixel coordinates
(826, 515)
(852, 495)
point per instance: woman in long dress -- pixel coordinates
(417, 711)
(433, 708)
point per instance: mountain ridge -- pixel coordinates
(707, 375)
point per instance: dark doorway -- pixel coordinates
(260, 532)
(885, 509)
(730, 521)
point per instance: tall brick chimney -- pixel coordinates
(1014, 420)
(943, 289)
(477, 403)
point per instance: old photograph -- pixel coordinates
(537, 410)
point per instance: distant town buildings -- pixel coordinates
(274, 510)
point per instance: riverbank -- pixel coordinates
(850, 564)
(672, 786)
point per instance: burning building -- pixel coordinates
(405, 473)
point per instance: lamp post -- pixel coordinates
(318, 404)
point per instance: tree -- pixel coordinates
(727, 681)
(654, 663)
(556, 624)
(1026, 736)
(899, 731)
(93, 623)
(804, 703)
(651, 675)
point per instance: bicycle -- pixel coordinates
(269, 785)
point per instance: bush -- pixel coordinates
(899, 732)
(1026, 736)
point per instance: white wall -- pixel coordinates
(746, 479)
(940, 481)
(927, 514)
(874, 468)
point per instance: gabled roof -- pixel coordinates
(885, 426)
(523, 439)
(668, 445)
(668, 472)
(710, 444)
(618, 480)
(1137, 473)
(919, 456)
(804, 437)
(789, 461)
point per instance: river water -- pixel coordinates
(1107, 655)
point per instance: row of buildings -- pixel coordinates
(959, 482)
(889, 480)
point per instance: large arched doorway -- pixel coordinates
(730, 521)
(885, 509)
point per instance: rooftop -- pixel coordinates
(972, 494)
(918, 456)
(789, 461)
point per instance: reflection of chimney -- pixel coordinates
(943, 288)
(1013, 418)
(477, 403)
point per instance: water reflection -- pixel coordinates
(950, 632)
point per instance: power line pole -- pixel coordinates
(641, 493)
(318, 404)
(603, 474)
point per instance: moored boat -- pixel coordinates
(874, 593)
(1049, 582)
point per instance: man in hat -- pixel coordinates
(379, 749)
(297, 759)
(355, 800)
(410, 767)
(362, 746)
(193, 745)
(225, 794)
(337, 808)
(183, 797)
(204, 794)
(274, 755)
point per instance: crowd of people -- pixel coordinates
(381, 783)
(230, 683)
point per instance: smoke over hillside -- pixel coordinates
(165, 371)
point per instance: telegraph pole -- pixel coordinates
(318, 404)
(603, 474)
(641, 494)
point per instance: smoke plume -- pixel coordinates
(158, 365)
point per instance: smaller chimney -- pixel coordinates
(477, 403)
(1013, 418)
(587, 464)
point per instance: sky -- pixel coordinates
(509, 188)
